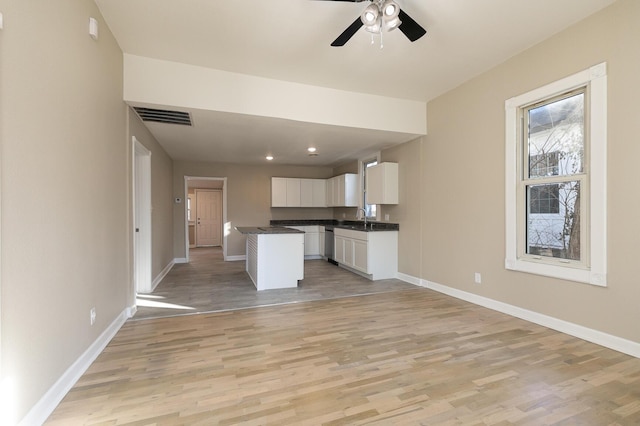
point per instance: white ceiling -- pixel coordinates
(290, 40)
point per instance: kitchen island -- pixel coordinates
(275, 256)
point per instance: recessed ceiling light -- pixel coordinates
(269, 157)
(311, 149)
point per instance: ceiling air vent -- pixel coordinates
(163, 116)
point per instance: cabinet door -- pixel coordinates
(312, 243)
(329, 192)
(348, 252)
(375, 185)
(278, 192)
(293, 192)
(360, 255)
(319, 193)
(306, 192)
(338, 191)
(339, 249)
(350, 190)
(382, 184)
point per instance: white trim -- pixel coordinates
(610, 341)
(596, 274)
(236, 258)
(409, 279)
(39, 413)
(367, 158)
(162, 274)
(131, 311)
(180, 260)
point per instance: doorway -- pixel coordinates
(141, 217)
(208, 227)
(205, 213)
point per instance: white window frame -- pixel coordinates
(361, 173)
(595, 270)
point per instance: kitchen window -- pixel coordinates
(556, 179)
(371, 209)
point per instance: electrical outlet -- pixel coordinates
(386, 216)
(92, 316)
(478, 278)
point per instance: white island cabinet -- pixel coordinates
(275, 256)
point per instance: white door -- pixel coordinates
(208, 217)
(142, 217)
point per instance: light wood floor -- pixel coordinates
(209, 284)
(408, 357)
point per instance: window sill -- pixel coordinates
(560, 272)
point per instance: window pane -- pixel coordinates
(370, 209)
(553, 220)
(556, 137)
(544, 199)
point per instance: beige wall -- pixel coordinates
(65, 211)
(463, 183)
(248, 198)
(161, 198)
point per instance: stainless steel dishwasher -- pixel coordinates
(328, 244)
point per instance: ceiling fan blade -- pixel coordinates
(409, 27)
(348, 33)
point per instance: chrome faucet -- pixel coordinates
(364, 216)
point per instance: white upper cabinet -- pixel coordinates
(295, 192)
(342, 191)
(382, 184)
(278, 192)
(313, 193)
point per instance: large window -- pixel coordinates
(553, 146)
(556, 179)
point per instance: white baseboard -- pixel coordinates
(50, 400)
(409, 279)
(594, 336)
(162, 274)
(235, 258)
(180, 260)
(131, 311)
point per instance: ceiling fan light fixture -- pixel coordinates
(390, 10)
(375, 27)
(392, 24)
(370, 15)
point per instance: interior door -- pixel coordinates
(208, 217)
(142, 218)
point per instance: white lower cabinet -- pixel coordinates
(313, 243)
(374, 254)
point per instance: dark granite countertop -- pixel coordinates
(267, 230)
(356, 225)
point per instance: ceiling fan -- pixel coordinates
(379, 15)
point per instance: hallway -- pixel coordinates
(209, 284)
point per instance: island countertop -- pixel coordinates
(267, 230)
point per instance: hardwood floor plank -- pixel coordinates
(405, 357)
